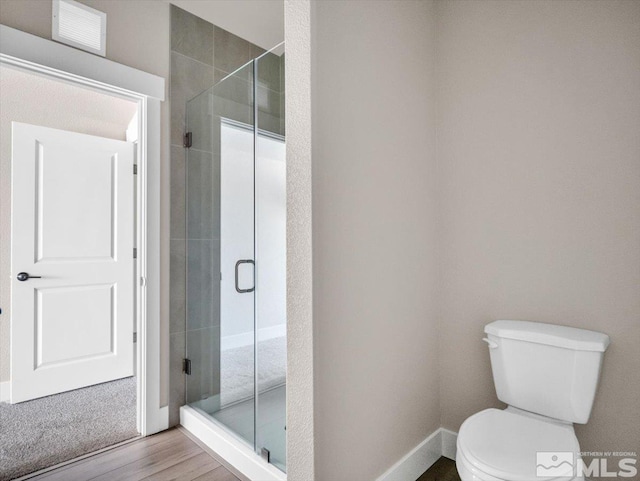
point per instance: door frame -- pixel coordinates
(53, 60)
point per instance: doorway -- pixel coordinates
(68, 217)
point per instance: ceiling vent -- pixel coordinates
(79, 26)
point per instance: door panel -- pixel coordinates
(83, 336)
(220, 253)
(65, 206)
(73, 226)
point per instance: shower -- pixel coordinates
(236, 258)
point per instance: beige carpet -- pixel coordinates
(237, 370)
(47, 431)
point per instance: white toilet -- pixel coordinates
(547, 375)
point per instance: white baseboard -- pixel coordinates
(449, 443)
(440, 443)
(247, 338)
(163, 421)
(4, 391)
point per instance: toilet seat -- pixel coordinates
(502, 445)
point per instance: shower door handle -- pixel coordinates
(245, 261)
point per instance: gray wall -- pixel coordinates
(374, 235)
(536, 215)
(201, 55)
(539, 155)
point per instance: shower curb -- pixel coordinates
(233, 450)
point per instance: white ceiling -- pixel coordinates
(258, 21)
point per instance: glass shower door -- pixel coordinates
(236, 255)
(221, 254)
(271, 249)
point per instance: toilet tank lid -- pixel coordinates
(549, 334)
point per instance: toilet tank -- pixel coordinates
(546, 369)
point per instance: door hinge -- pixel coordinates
(187, 140)
(135, 337)
(135, 252)
(135, 169)
(186, 366)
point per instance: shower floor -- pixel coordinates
(271, 422)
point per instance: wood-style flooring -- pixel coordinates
(173, 455)
(170, 455)
(443, 470)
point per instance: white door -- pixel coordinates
(73, 228)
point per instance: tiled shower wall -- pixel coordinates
(201, 55)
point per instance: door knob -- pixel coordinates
(23, 276)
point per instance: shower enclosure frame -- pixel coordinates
(213, 433)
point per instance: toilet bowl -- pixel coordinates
(501, 445)
(547, 375)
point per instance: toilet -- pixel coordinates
(547, 375)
